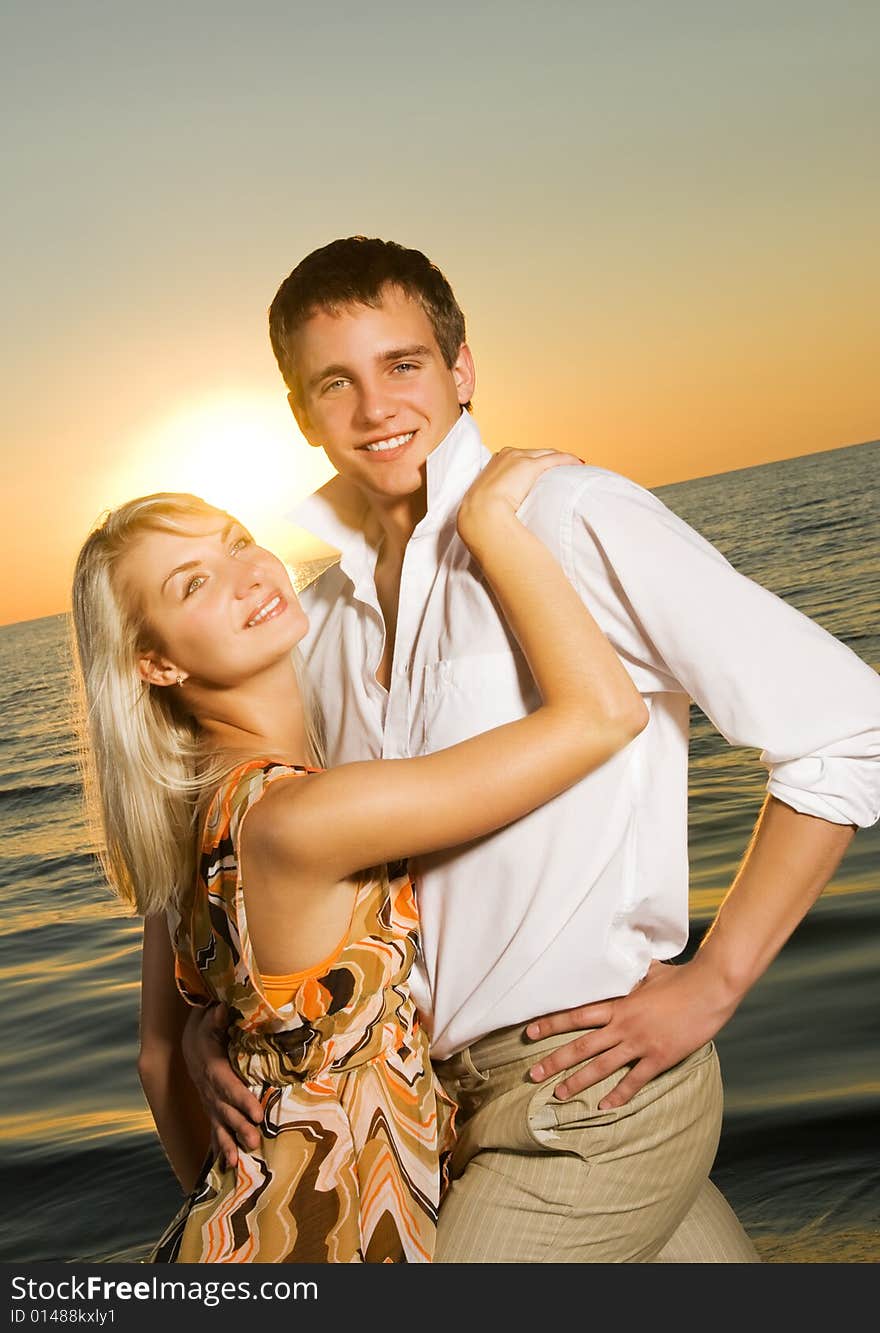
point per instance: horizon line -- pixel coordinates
(772, 462)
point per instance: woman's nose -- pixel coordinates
(248, 575)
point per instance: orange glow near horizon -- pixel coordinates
(659, 221)
(241, 452)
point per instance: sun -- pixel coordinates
(240, 451)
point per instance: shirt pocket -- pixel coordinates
(464, 696)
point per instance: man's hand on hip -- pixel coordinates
(669, 1015)
(234, 1112)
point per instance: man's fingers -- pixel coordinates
(602, 1067)
(224, 1147)
(235, 1125)
(234, 1100)
(626, 1089)
(218, 1019)
(584, 1047)
(571, 1020)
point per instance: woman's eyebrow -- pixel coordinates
(192, 564)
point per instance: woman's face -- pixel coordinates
(220, 608)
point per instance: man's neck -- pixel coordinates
(398, 519)
(345, 515)
(397, 522)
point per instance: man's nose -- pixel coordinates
(375, 404)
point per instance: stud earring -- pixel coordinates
(180, 680)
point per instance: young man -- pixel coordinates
(572, 912)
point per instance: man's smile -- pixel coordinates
(392, 444)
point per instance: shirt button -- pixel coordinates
(403, 669)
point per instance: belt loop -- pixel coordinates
(469, 1065)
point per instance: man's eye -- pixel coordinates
(406, 365)
(335, 384)
(194, 584)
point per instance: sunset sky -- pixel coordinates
(660, 219)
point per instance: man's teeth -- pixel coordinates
(395, 443)
(264, 611)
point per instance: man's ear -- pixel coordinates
(465, 375)
(302, 419)
(158, 670)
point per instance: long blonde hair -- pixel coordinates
(145, 770)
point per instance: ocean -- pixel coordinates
(84, 1176)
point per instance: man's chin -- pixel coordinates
(395, 479)
(389, 491)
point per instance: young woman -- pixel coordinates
(217, 814)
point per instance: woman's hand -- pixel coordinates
(503, 485)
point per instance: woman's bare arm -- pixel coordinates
(183, 1128)
(366, 813)
(362, 814)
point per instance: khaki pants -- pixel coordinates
(536, 1180)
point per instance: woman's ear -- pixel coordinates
(157, 670)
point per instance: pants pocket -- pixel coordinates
(548, 1117)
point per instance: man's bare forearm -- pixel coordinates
(790, 859)
(230, 1108)
(182, 1126)
(674, 1010)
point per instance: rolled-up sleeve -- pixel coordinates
(765, 674)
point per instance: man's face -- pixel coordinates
(375, 394)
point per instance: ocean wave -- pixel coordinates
(84, 1196)
(798, 1153)
(34, 794)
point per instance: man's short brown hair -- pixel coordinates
(354, 271)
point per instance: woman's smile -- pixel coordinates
(268, 609)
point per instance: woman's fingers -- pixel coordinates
(511, 473)
(535, 453)
(520, 468)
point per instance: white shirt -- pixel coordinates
(573, 902)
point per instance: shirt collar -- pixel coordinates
(339, 514)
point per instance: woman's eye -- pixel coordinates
(194, 584)
(240, 544)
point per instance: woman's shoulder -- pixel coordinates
(243, 788)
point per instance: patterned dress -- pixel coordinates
(349, 1165)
